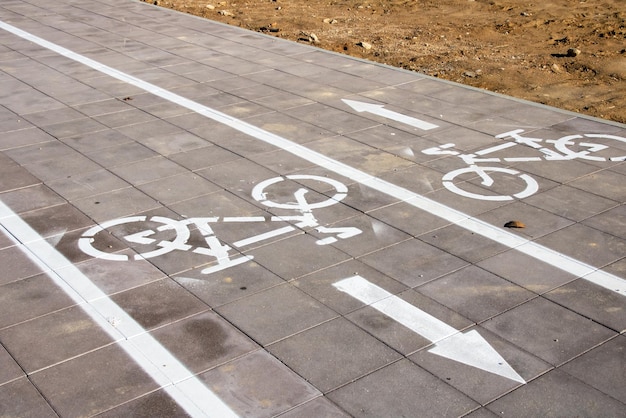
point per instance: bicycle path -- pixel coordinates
(199, 220)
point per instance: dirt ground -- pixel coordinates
(565, 53)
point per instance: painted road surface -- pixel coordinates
(198, 220)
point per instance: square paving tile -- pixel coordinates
(548, 331)
(606, 183)
(31, 198)
(221, 287)
(29, 298)
(80, 185)
(179, 187)
(115, 204)
(598, 303)
(13, 176)
(62, 167)
(20, 398)
(113, 276)
(401, 389)
(145, 171)
(526, 271)
(175, 143)
(296, 256)
(9, 368)
(275, 313)
(121, 154)
(557, 394)
(613, 221)
(74, 127)
(204, 341)
(333, 354)
(218, 204)
(463, 243)
(16, 265)
(24, 137)
(155, 404)
(108, 378)
(475, 293)
(603, 368)
(413, 262)
(158, 303)
(238, 176)
(592, 246)
(56, 220)
(258, 385)
(571, 203)
(408, 218)
(53, 338)
(204, 157)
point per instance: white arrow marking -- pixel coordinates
(389, 114)
(468, 348)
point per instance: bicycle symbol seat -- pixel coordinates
(158, 235)
(587, 147)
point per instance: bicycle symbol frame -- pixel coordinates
(563, 151)
(214, 247)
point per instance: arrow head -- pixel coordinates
(362, 107)
(472, 349)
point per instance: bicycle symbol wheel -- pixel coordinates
(143, 237)
(576, 146)
(260, 193)
(530, 187)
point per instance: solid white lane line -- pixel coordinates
(561, 261)
(169, 373)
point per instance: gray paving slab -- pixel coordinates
(241, 239)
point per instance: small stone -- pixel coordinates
(573, 52)
(470, 74)
(556, 68)
(365, 45)
(210, 6)
(225, 13)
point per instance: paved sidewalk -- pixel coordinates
(198, 220)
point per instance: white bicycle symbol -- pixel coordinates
(176, 234)
(566, 148)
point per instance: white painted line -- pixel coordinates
(468, 348)
(264, 236)
(568, 264)
(147, 352)
(244, 219)
(496, 148)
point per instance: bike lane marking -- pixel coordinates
(537, 251)
(165, 369)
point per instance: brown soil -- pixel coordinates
(565, 53)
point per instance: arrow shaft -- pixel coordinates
(401, 311)
(407, 120)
